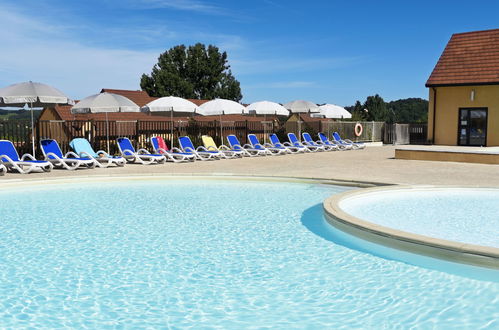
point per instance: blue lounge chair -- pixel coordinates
(101, 158)
(174, 155)
(276, 143)
(268, 148)
(200, 153)
(247, 149)
(307, 140)
(355, 145)
(333, 143)
(141, 156)
(70, 161)
(24, 165)
(296, 143)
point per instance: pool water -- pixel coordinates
(226, 254)
(467, 215)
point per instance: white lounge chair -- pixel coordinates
(307, 140)
(269, 149)
(174, 154)
(227, 152)
(101, 158)
(26, 164)
(200, 152)
(246, 150)
(70, 161)
(142, 156)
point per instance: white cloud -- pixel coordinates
(187, 5)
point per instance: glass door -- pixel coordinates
(472, 127)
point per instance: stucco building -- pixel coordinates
(464, 91)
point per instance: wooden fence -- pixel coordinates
(140, 132)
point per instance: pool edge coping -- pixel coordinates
(476, 255)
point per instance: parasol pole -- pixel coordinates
(107, 132)
(32, 129)
(171, 126)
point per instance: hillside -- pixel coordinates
(18, 114)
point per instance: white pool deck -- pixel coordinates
(374, 164)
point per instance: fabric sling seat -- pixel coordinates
(296, 143)
(355, 145)
(269, 149)
(274, 139)
(174, 154)
(201, 153)
(101, 158)
(227, 152)
(141, 156)
(327, 142)
(24, 165)
(70, 161)
(307, 140)
(246, 149)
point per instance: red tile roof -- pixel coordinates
(469, 58)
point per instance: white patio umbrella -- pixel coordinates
(301, 106)
(33, 94)
(171, 104)
(334, 111)
(220, 107)
(266, 108)
(105, 103)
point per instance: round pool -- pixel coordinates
(160, 252)
(464, 215)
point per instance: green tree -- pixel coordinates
(192, 72)
(376, 108)
(358, 112)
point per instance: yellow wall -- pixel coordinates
(448, 102)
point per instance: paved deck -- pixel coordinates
(482, 155)
(374, 164)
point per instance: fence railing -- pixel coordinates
(405, 134)
(371, 131)
(19, 132)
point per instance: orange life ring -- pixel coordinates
(358, 129)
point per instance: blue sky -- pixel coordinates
(323, 51)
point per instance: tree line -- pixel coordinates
(410, 110)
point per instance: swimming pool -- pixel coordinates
(159, 252)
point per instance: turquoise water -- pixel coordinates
(463, 215)
(215, 254)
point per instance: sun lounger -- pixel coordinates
(355, 145)
(246, 149)
(270, 149)
(26, 164)
(3, 169)
(101, 158)
(174, 155)
(210, 145)
(307, 140)
(276, 143)
(327, 142)
(296, 143)
(200, 152)
(70, 161)
(141, 156)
